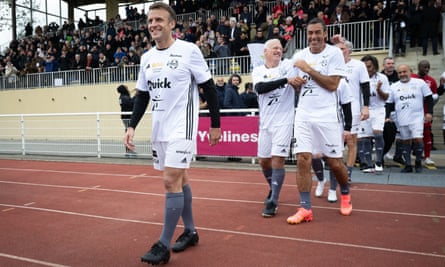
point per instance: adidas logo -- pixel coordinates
(184, 160)
(283, 150)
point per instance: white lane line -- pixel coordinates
(88, 188)
(341, 244)
(138, 176)
(78, 173)
(96, 188)
(45, 263)
(29, 204)
(205, 180)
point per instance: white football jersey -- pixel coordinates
(375, 101)
(171, 77)
(316, 103)
(408, 99)
(356, 74)
(277, 106)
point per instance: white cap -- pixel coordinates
(443, 75)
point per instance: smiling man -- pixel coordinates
(170, 74)
(317, 128)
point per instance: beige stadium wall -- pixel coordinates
(70, 99)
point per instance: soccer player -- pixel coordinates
(276, 111)
(379, 94)
(170, 74)
(317, 128)
(407, 98)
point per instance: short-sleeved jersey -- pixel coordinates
(408, 99)
(171, 77)
(316, 103)
(344, 93)
(277, 106)
(375, 101)
(356, 74)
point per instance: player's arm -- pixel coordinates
(330, 83)
(347, 114)
(429, 103)
(265, 87)
(141, 100)
(366, 93)
(212, 104)
(389, 107)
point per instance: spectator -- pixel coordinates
(78, 63)
(11, 71)
(246, 17)
(232, 98)
(234, 36)
(430, 25)
(64, 60)
(221, 50)
(415, 22)
(259, 37)
(51, 63)
(220, 86)
(400, 20)
(260, 17)
(28, 29)
(339, 16)
(103, 61)
(249, 97)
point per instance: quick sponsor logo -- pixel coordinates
(407, 97)
(159, 84)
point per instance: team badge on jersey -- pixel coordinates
(173, 64)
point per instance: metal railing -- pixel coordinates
(98, 134)
(366, 36)
(68, 134)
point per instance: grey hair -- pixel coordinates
(349, 45)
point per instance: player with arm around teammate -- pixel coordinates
(272, 82)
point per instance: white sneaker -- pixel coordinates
(369, 170)
(320, 188)
(378, 168)
(429, 161)
(332, 196)
(388, 156)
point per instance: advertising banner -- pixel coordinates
(239, 137)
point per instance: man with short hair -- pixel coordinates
(170, 74)
(317, 128)
(407, 100)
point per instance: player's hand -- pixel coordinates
(346, 135)
(296, 82)
(337, 38)
(128, 139)
(302, 65)
(428, 117)
(364, 114)
(214, 136)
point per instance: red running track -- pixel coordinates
(90, 214)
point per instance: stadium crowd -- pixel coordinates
(121, 41)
